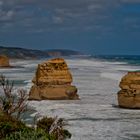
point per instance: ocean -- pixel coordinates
(96, 115)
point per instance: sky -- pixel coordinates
(89, 26)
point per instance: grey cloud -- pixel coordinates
(49, 15)
(1, 3)
(6, 15)
(57, 20)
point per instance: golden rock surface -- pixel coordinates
(129, 95)
(53, 81)
(4, 61)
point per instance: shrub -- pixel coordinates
(12, 129)
(29, 135)
(9, 125)
(54, 126)
(45, 123)
(9, 103)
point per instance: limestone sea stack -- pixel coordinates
(129, 95)
(4, 61)
(53, 82)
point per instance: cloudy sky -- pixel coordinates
(91, 26)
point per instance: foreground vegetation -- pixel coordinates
(12, 107)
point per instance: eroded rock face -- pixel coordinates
(129, 95)
(53, 81)
(4, 61)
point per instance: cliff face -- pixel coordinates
(4, 61)
(129, 95)
(53, 81)
(53, 72)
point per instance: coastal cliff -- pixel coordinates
(4, 61)
(53, 81)
(129, 95)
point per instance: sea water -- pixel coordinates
(96, 115)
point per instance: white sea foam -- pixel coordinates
(113, 76)
(126, 68)
(27, 81)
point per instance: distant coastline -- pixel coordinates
(23, 53)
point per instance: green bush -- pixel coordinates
(45, 123)
(29, 135)
(9, 125)
(12, 129)
(54, 127)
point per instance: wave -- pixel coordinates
(128, 59)
(113, 76)
(104, 119)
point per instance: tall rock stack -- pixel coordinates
(53, 81)
(129, 95)
(4, 61)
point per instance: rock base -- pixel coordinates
(53, 93)
(127, 101)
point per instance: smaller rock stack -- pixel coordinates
(4, 61)
(129, 95)
(53, 81)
